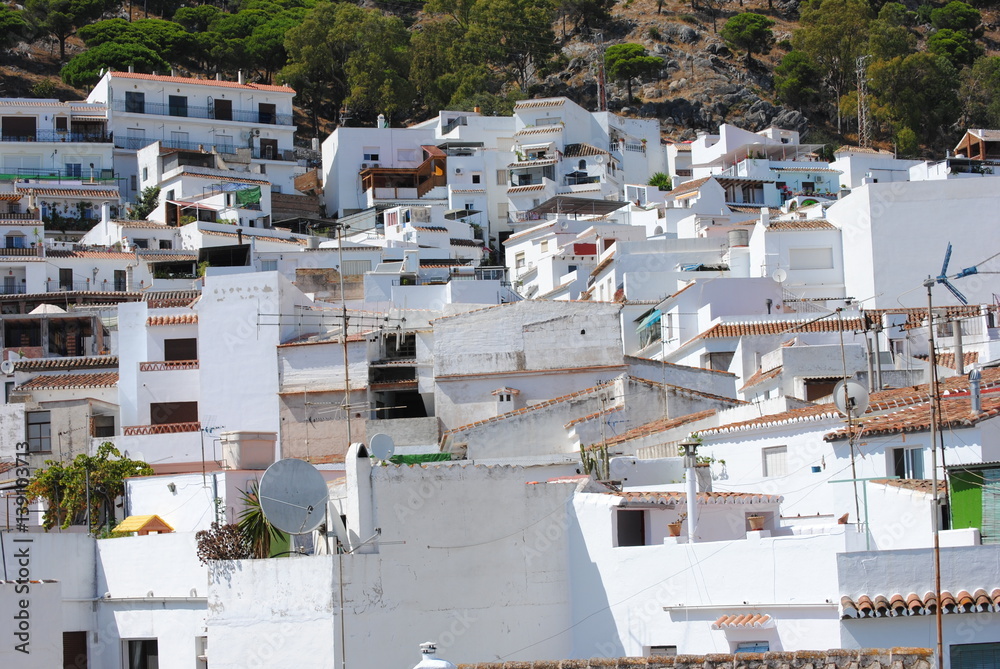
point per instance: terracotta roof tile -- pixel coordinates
(430, 228)
(760, 377)
(97, 255)
(743, 621)
(247, 236)
(802, 224)
(525, 189)
(689, 186)
(778, 327)
(151, 225)
(103, 193)
(71, 381)
(659, 425)
(464, 242)
(79, 362)
(948, 359)
(955, 412)
(583, 149)
(593, 416)
(747, 209)
(601, 266)
(538, 104)
(925, 486)
(202, 82)
(897, 605)
(176, 319)
(220, 177)
(677, 498)
(164, 299)
(539, 131)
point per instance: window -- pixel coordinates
(552, 120)
(224, 144)
(180, 349)
(179, 140)
(74, 648)
(74, 170)
(201, 651)
(102, 426)
(267, 113)
(39, 431)
(370, 154)
(907, 463)
(570, 269)
(752, 647)
(975, 655)
(660, 651)
(133, 182)
(775, 460)
(178, 105)
(65, 278)
(166, 244)
(268, 265)
(7, 388)
(631, 527)
(61, 123)
(145, 174)
(268, 149)
(165, 413)
(501, 177)
(545, 246)
(718, 361)
(582, 165)
(120, 276)
(519, 261)
(141, 654)
(140, 243)
(135, 102)
(477, 178)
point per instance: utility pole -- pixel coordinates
(602, 91)
(935, 521)
(341, 229)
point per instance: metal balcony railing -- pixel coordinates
(58, 286)
(190, 111)
(13, 290)
(58, 136)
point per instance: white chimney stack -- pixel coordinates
(765, 216)
(240, 78)
(429, 658)
(975, 391)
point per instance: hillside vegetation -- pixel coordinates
(930, 69)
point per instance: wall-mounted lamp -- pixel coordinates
(172, 487)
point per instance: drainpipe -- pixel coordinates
(689, 449)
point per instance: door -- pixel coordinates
(9, 285)
(135, 102)
(223, 110)
(20, 128)
(266, 113)
(269, 149)
(120, 280)
(179, 140)
(65, 278)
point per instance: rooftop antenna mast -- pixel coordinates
(864, 120)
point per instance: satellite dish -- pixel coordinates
(779, 275)
(853, 401)
(293, 496)
(381, 447)
(7, 366)
(598, 159)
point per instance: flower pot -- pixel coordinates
(675, 529)
(756, 522)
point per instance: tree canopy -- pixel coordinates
(627, 62)
(750, 33)
(61, 18)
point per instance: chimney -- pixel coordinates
(131, 69)
(105, 213)
(429, 658)
(765, 216)
(380, 121)
(173, 72)
(218, 76)
(975, 391)
(239, 236)
(240, 78)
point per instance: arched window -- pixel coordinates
(582, 165)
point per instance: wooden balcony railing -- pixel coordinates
(165, 428)
(167, 365)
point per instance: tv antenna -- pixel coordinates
(293, 496)
(945, 280)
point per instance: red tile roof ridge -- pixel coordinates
(681, 389)
(592, 416)
(956, 413)
(925, 486)
(544, 404)
(715, 497)
(71, 381)
(657, 426)
(759, 377)
(689, 186)
(204, 82)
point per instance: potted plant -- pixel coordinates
(756, 522)
(675, 527)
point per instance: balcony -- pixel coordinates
(59, 136)
(19, 216)
(82, 176)
(13, 290)
(164, 428)
(189, 111)
(167, 365)
(64, 286)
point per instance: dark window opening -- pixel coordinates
(120, 279)
(269, 149)
(631, 527)
(817, 388)
(178, 105)
(165, 413)
(142, 654)
(135, 102)
(103, 426)
(74, 650)
(267, 113)
(180, 349)
(223, 110)
(65, 278)
(61, 126)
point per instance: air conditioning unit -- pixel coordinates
(364, 166)
(458, 170)
(374, 165)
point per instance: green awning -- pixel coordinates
(419, 458)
